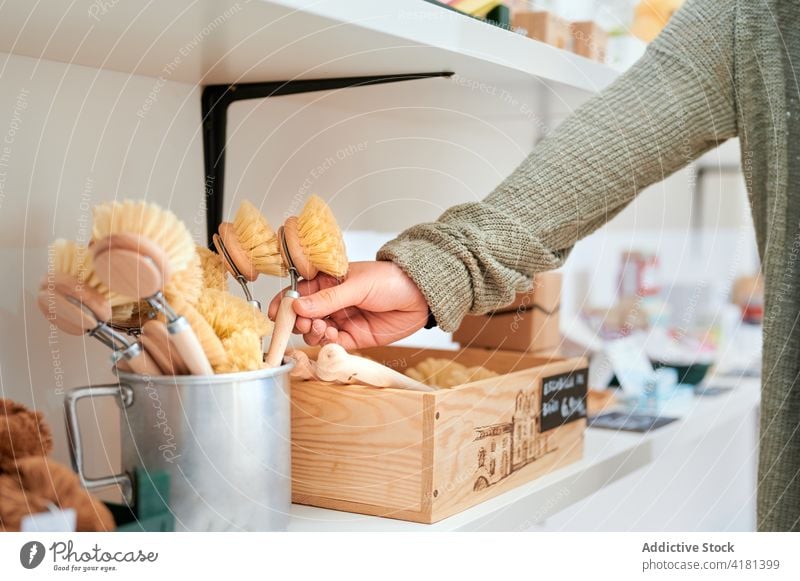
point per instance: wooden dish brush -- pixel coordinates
(309, 244)
(75, 301)
(137, 247)
(248, 247)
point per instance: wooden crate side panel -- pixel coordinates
(357, 444)
(487, 438)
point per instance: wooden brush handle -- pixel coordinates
(284, 323)
(188, 347)
(156, 341)
(144, 364)
(336, 364)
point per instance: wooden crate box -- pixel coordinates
(426, 456)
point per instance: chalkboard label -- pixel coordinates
(563, 399)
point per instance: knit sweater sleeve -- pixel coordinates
(674, 104)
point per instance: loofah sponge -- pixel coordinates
(447, 373)
(228, 314)
(149, 220)
(215, 275)
(321, 238)
(244, 352)
(185, 286)
(211, 344)
(258, 240)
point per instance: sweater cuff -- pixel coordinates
(441, 277)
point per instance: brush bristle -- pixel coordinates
(68, 257)
(244, 352)
(228, 314)
(258, 240)
(321, 238)
(159, 226)
(209, 341)
(186, 285)
(75, 260)
(215, 275)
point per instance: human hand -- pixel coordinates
(376, 304)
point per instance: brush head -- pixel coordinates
(228, 314)
(215, 275)
(72, 306)
(232, 254)
(244, 352)
(321, 239)
(258, 240)
(68, 258)
(133, 266)
(148, 221)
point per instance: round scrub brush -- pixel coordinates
(73, 299)
(148, 221)
(249, 247)
(244, 352)
(215, 275)
(314, 241)
(310, 243)
(138, 248)
(73, 259)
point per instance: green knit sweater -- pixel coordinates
(722, 68)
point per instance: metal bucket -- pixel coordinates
(224, 441)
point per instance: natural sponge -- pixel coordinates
(446, 373)
(215, 275)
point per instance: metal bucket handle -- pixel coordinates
(125, 395)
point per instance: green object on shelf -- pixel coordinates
(150, 511)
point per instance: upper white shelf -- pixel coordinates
(226, 41)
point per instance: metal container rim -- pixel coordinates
(215, 379)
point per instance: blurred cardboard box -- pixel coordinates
(529, 324)
(544, 26)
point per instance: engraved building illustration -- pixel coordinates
(505, 447)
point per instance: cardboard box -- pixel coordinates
(589, 40)
(423, 456)
(530, 323)
(544, 26)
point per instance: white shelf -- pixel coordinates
(225, 41)
(608, 457)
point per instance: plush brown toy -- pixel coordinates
(30, 483)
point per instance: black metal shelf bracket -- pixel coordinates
(217, 98)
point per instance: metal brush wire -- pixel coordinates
(237, 275)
